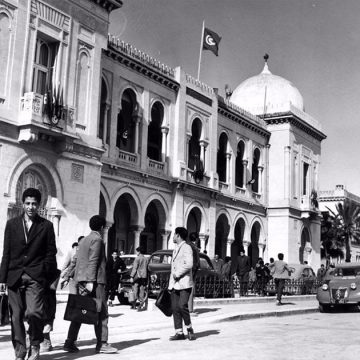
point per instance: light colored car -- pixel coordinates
(341, 287)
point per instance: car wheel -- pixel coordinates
(324, 308)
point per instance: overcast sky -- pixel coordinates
(314, 44)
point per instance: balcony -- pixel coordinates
(130, 159)
(32, 113)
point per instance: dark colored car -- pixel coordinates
(208, 282)
(341, 287)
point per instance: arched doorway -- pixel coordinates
(150, 237)
(121, 234)
(221, 235)
(253, 250)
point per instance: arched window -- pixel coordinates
(154, 132)
(83, 88)
(221, 157)
(194, 160)
(239, 166)
(44, 65)
(255, 171)
(125, 137)
(4, 45)
(104, 123)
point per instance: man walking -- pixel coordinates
(28, 265)
(138, 277)
(281, 272)
(181, 283)
(242, 270)
(114, 266)
(90, 276)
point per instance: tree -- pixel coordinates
(346, 223)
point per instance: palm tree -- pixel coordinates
(347, 222)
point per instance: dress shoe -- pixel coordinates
(278, 302)
(70, 347)
(191, 335)
(34, 353)
(177, 336)
(105, 348)
(46, 345)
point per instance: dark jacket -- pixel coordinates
(242, 265)
(35, 257)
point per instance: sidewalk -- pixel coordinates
(124, 320)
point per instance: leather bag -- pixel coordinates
(4, 310)
(163, 301)
(82, 309)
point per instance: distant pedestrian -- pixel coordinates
(281, 272)
(217, 263)
(180, 284)
(28, 265)
(262, 277)
(114, 266)
(138, 277)
(90, 275)
(321, 273)
(226, 268)
(194, 243)
(242, 269)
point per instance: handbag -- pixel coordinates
(4, 310)
(82, 309)
(163, 301)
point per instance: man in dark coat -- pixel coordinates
(242, 271)
(114, 266)
(28, 265)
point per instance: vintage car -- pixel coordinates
(208, 282)
(341, 287)
(125, 286)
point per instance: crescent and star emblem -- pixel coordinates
(210, 40)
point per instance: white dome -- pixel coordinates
(266, 93)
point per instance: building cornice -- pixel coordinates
(109, 5)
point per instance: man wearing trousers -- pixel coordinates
(27, 266)
(90, 276)
(180, 284)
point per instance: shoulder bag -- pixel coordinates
(82, 309)
(163, 301)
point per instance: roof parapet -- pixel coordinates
(199, 84)
(139, 55)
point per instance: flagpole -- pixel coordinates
(201, 45)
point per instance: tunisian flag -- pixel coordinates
(211, 41)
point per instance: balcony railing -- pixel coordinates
(32, 112)
(223, 186)
(129, 158)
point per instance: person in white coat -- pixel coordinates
(181, 283)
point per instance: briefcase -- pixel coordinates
(82, 309)
(4, 310)
(163, 302)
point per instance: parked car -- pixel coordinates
(125, 286)
(208, 282)
(341, 287)
(299, 282)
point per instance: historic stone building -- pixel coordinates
(100, 126)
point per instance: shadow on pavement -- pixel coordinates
(58, 353)
(288, 303)
(204, 310)
(115, 315)
(206, 333)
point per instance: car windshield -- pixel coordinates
(347, 271)
(160, 259)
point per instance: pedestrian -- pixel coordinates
(114, 266)
(226, 268)
(90, 275)
(281, 272)
(180, 284)
(27, 267)
(194, 243)
(138, 277)
(242, 269)
(321, 273)
(262, 277)
(217, 263)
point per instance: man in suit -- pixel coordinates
(90, 276)
(114, 266)
(28, 265)
(242, 270)
(181, 283)
(138, 277)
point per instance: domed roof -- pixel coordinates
(266, 93)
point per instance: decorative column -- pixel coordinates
(106, 120)
(203, 146)
(56, 221)
(260, 180)
(244, 164)
(164, 133)
(228, 246)
(287, 150)
(246, 246)
(228, 158)
(203, 239)
(136, 235)
(187, 155)
(106, 234)
(137, 119)
(261, 250)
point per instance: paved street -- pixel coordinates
(310, 335)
